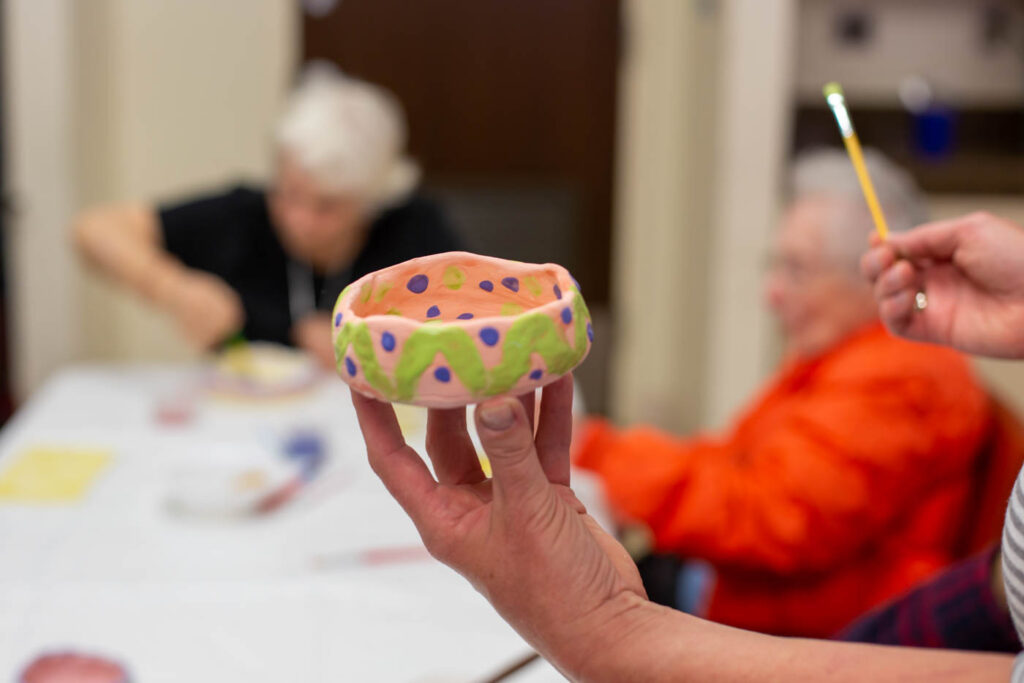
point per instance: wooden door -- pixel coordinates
(511, 107)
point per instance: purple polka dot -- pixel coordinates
(558, 292)
(576, 283)
(511, 283)
(443, 374)
(337, 319)
(487, 285)
(387, 340)
(489, 336)
(566, 315)
(590, 332)
(465, 316)
(417, 284)
(350, 367)
(536, 374)
(433, 312)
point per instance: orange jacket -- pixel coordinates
(844, 484)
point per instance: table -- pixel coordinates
(185, 599)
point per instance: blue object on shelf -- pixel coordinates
(935, 132)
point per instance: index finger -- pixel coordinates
(875, 261)
(554, 431)
(450, 449)
(403, 472)
(936, 240)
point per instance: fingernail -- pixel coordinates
(497, 416)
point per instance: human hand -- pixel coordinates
(206, 308)
(313, 335)
(521, 538)
(972, 272)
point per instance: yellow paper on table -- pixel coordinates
(47, 474)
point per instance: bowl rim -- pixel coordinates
(567, 284)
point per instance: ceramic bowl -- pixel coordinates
(456, 328)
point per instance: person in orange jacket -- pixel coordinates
(846, 480)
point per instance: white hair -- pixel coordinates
(828, 172)
(349, 135)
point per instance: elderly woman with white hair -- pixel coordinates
(849, 476)
(270, 263)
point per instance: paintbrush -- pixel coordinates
(837, 102)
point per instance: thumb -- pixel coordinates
(507, 439)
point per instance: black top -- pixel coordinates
(230, 235)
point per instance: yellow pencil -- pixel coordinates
(837, 102)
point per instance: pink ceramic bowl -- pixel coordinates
(453, 329)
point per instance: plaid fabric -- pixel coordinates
(955, 610)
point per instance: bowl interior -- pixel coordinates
(457, 287)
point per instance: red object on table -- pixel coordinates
(70, 667)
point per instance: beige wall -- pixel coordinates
(38, 158)
(752, 136)
(664, 156)
(704, 118)
(937, 39)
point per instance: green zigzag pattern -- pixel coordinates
(532, 333)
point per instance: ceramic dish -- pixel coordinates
(455, 328)
(261, 370)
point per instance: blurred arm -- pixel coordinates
(805, 494)
(124, 242)
(643, 641)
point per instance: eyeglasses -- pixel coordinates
(792, 268)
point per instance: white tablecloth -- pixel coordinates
(185, 599)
